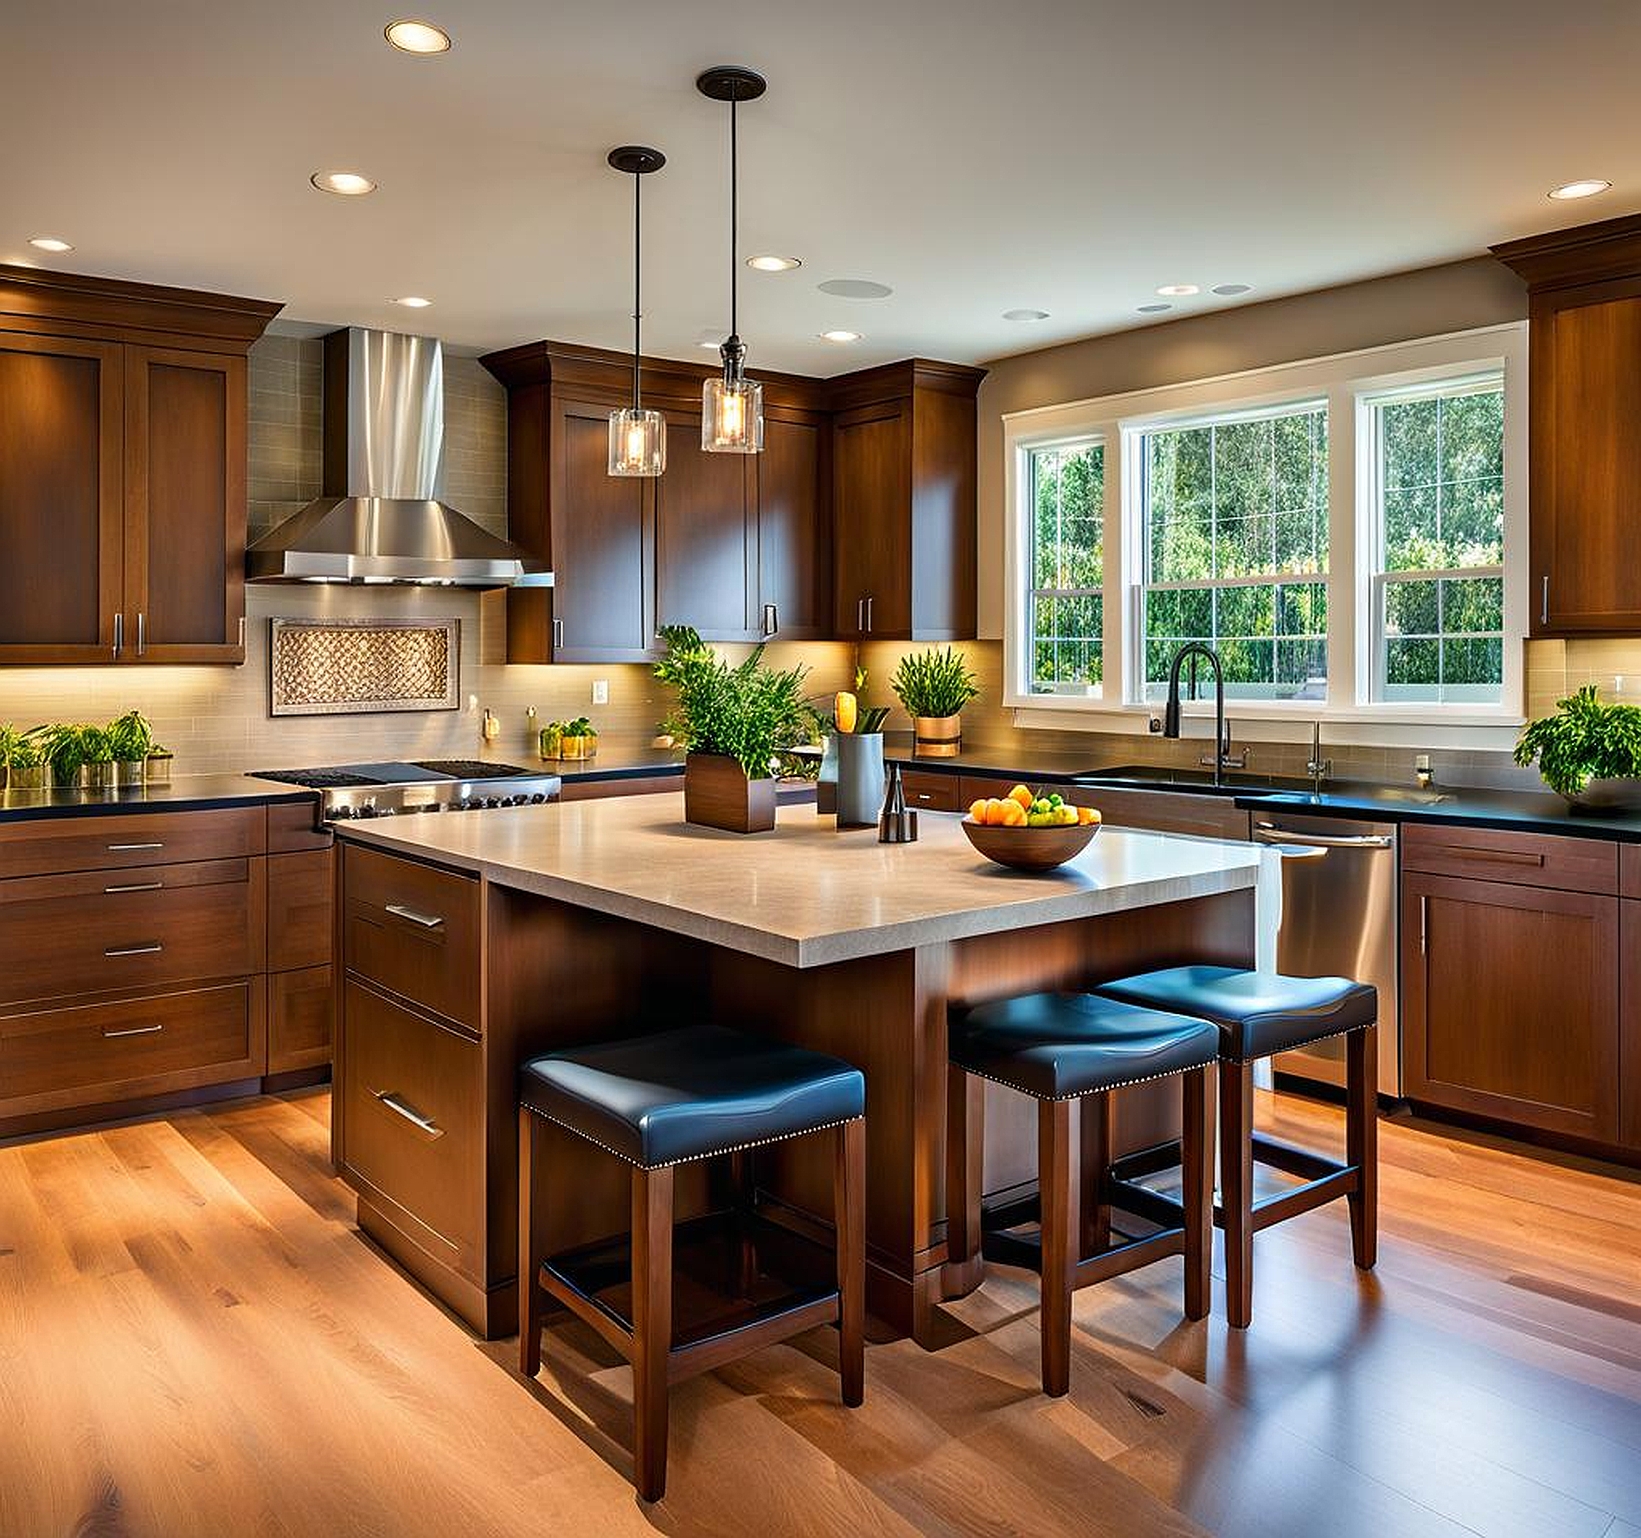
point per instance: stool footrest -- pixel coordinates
(1280, 1205)
(1291, 1159)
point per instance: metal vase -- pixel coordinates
(130, 773)
(98, 777)
(860, 778)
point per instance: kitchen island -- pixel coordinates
(471, 944)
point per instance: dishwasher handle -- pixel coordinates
(1269, 833)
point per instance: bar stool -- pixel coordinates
(1258, 1015)
(1063, 1049)
(656, 1102)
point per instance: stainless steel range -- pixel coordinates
(351, 792)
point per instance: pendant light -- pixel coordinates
(732, 408)
(638, 437)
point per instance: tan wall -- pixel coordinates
(1375, 313)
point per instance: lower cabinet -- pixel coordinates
(1510, 1003)
(1629, 1019)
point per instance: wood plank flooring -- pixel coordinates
(194, 1339)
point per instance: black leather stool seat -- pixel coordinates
(1259, 1012)
(1056, 1046)
(690, 1093)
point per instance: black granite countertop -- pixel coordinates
(615, 764)
(185, 793)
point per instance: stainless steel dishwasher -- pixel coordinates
(1339, 920)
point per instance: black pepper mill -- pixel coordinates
(895, 825)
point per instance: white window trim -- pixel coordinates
(1344, 379)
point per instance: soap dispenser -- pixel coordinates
(490, 729)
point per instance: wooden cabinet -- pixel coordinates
(706, 537)
(903, 493)
(1510, 1003)
(794, 517)
(122, 471)
(1584, 288)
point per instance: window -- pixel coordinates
(1234, 516)
(1066, 621)
(1438, 542)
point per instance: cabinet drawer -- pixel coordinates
(1521, 859)
(140, 928)
(933, 792)
(1163, 811)
(100, 1052)
(97, 842)
(301, 1009)
(412, 1121)
(299, 910)
(415, 931)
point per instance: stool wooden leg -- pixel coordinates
(532, 1249)
(849, 1217)
(1236, 1178)
(1058, 1179)
(651, 1326)
(1362, 1141)
(745, 1197)
(1197, 1161)
(1094, 1136)
(965, 1150)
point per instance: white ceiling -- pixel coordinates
(977, 155)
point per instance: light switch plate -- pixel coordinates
(601, 691)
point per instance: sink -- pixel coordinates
(1399, 795)
(1196, 781)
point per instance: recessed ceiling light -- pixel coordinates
(49, 243)
(840, 336)
(1587, 188)
(712, 336)
(347, 184)
(1154, 309)
(1178, 290)
(1231, 290)
(414, 302)
(854, 288)
(1025, 315)
(417, 37)
(773, 263)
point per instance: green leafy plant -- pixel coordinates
(937, 682)
(96, 745)
(20, 750)
(748, 712)
(1586, 739)
(63, 747)
(130, 737)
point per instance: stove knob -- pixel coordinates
(387, 811)
(465, 804)
(507, 801)
(538, 799)
(341, 813)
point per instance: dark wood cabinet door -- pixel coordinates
(61, 499)
(872, 500)
(185, 446)
(1629, 1003)
(705, 559)
(1510, 1003)
(603, 547)
(1586, 458)
(794, 589)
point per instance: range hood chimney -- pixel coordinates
(382, 518)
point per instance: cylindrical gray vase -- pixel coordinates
(860, 778)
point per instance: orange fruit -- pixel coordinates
(977, 811)
(1022, 797)
(1087, 817)
(997, 813)
(1014, 816)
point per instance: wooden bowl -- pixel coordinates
(1034, 849)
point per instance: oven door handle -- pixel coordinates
(1269, 833)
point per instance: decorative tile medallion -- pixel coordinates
(343, 667)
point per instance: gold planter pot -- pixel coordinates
(937, 736)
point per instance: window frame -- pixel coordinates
(1346, 380)
(1074, 443)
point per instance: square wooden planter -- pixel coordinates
(717, 794)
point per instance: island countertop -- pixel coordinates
(804, 895)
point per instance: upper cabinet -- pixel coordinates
(1584, 288)
(122, 470)
(741, 547)
(903, 496)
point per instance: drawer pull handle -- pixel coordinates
(410, 915)
(135, 1030)
(136, 886)
(127, 848)
(1498, 856)
(409, 1112)
(153, 948)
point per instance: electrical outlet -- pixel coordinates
(601, 691)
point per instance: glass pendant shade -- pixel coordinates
(638, 441)
(732, 416)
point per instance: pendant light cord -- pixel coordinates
(734, 211)
(637, 280)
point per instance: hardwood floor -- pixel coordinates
(195, 1340)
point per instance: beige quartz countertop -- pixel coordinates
(804, 895)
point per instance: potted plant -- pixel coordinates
(129, 738)
(734, 721)
(96, 758)
(934, 686)
(160, 760)
(22, 760)
(63, 751)
(1589, 752)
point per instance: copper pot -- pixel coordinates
(937, 736)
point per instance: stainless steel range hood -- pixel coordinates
(382, 518)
